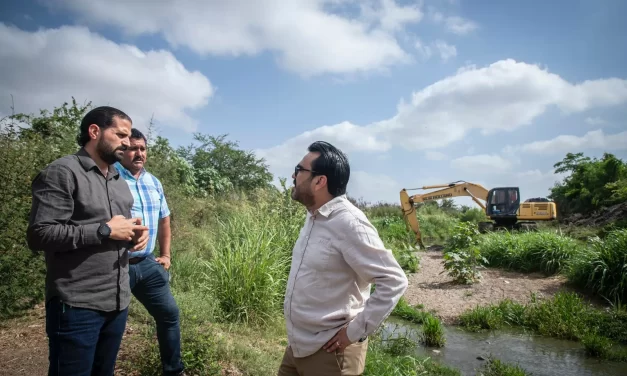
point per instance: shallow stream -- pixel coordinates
(540, 356)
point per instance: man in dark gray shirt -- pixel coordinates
(81, 220)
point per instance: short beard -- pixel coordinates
(108, 154)
(305, 198)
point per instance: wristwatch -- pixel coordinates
(363, 338)
(104, 231)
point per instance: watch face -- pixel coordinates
(104, 230)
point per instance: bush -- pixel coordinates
(603, 267)
(461, 254)
(541, 251)
(248, 264)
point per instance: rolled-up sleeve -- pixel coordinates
(366, 254)
(51, 211)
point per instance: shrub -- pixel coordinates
(542, 251)
(461, 255)
(433, 331)
(249, 264)
(603, 267)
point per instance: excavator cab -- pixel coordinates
(503, 203)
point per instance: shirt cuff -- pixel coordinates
(354, 332)
(90, 234)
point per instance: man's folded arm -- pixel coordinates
(51, 210)
(366, 254)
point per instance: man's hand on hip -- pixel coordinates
(165, 261)
(339, 342)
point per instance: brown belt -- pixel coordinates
(135, 260)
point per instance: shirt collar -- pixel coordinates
(328, 208)
(88, 163)
(126, 173)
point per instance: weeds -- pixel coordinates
(603, 267)
(563, 316)
(248, 267)
(462, 257)
(433, 331)
(495, 367)
(545, 252)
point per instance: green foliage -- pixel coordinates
(473, 215)
(592, 183)
(495, 367)
(603, 267)
(541, 251)
(391, 356)
(27, 144)
(408, 312)
(249, 263)
(462, 258)
(565, 316)
(433, 331)
(214, 158)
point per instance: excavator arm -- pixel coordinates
(456, 189)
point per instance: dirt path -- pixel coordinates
(438, 293)
(24, 345)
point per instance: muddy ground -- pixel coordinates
(437, 291)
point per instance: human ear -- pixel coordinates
(93, 131)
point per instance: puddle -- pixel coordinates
(537, 355)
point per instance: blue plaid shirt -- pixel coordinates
(149, 204)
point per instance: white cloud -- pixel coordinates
(569, 143)
(460, 26)
(306, 36)
(373, 187)
(482, 164)
(501, 97)
(423, 50)
(346, 136)
(595, 121)
(389, 15)
(435, 155)
(45, 68)
(446, 50)
(454, 24)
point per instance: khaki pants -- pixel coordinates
(350, 362)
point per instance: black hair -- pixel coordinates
(102, 117)
(333, 164)
(137, 134)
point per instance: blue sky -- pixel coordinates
(416, 92)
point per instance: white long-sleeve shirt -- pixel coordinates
(337, 256)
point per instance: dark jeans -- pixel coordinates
(150, 285)
(82, 341)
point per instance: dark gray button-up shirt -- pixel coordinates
(71, 199)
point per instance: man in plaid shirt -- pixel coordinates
(149, 276)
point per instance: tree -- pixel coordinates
(592, 183)
(215, 158)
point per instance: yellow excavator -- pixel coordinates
(502, 206)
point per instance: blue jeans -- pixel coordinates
(82, 341)
(150, 285)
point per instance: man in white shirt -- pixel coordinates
(328, 309)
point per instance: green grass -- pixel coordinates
(541, 251)
(602, 268)
(565, 316)
(495, 367)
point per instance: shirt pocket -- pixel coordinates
(318, 254)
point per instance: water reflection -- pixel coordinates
(537, 355)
